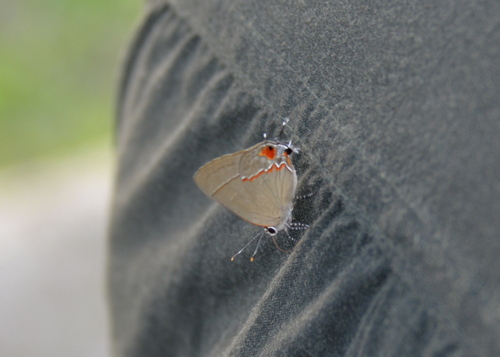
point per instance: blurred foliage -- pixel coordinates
(59, 69)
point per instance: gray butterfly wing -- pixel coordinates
(212, 176)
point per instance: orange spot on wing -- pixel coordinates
(269, 152)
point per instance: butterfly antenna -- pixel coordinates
(252, 258)
(246, 245)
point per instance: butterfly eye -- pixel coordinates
(271, 230)
(288, 151)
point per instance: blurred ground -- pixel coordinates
(53, 220)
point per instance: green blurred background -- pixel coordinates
(59, 69)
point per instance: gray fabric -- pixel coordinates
(395, 108)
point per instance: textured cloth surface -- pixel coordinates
(395, 109)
